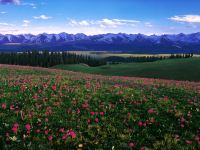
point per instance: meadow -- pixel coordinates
(56, 109)
(104, 54)
(173, 69)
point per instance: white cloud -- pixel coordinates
(93, 30)
(42, 17)
(98, 26)
(148, 24)
(116, 22)
(26, 23)
(6, 24)
(7, 28)
(79, 23)
(109, 23)
(3, 12)
(186, 18)
(84, 23)
(33, 5)
(113, 23)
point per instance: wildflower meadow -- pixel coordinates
(54, 109)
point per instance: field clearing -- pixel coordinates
(48, 108)
(103, 54)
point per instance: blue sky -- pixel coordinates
(99, 16)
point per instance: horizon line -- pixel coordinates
(104, 33)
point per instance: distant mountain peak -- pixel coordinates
(109, 41)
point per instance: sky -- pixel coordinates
(99, 16)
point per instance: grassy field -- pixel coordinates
(176, 69)
(103, 54)
(56, 109)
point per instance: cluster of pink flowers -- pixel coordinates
(72, 134)
(48, 111)
(97, 113)
(15, 127)
(183, 122)
(197, 138)
(28, 128)
(85, 105)
(147, 122)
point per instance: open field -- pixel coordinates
(176, 69)
(47, 109)
(103, 54)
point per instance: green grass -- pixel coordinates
(175, 69)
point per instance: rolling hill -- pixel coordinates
(176, 69)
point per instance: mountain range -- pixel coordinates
(135, 43)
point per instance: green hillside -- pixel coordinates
(177, 69)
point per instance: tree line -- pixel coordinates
(48, 59)
(181, 56)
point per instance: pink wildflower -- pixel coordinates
(197, 138)
(28, 127)
(92, 113)
(151, 111)
(188, 142)
(96, 120)
(64, 137)
(101, 113)
(142, 148)
(73, 135)
(37, 131)
(46, 132)
(182, 119)
(62, 130)
(16, 125)
(132, 144)
(3, 106)
(54, 87)
(14, 129)
(140, 123)
(50, 138)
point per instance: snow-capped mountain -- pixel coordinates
(111, 42)
(106, 38)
